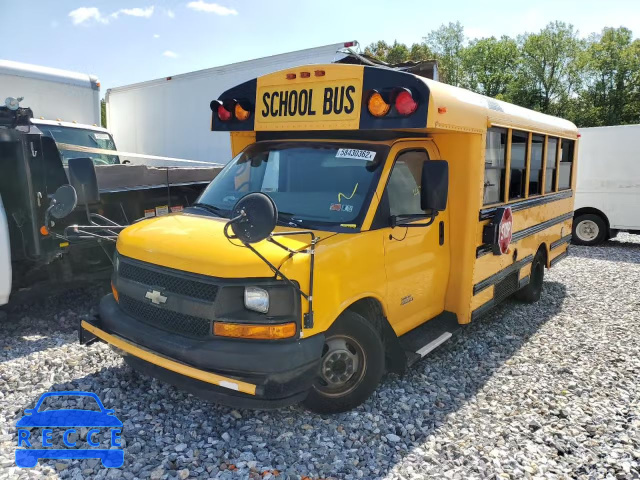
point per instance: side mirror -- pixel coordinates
(63, 202)
(82, 176)
(435, 185)
(253, 218)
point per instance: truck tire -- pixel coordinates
(351, 367)
(533, 290)
(589, 229)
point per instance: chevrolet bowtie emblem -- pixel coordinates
(155, 297)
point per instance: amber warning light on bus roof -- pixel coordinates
(402, 99)
(230, 109)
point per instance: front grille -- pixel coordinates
(168, 282)
(506, 287)
(187, 325)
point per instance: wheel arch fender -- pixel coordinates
(546, 252)
(372, 309)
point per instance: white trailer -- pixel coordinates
(608, 184)
(52, 94)
(170, 116)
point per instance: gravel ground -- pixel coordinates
(532, 391)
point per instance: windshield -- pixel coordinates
(312, 183)
(83, 138)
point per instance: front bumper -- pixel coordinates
(234, 372)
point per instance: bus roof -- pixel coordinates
(469, 110)
(335, 97)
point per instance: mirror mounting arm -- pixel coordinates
(393, 220)
(308, 317)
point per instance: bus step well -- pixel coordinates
(422, 340)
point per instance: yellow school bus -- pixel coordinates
(367, 215)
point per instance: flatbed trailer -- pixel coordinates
(34, 249)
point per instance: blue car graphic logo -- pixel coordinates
(70, 419)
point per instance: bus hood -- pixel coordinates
(197, 244)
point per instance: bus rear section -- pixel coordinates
(366, 215)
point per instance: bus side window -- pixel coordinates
(519, 141)
(535, 168)
(552, 151)
(403, 188)
(494, 165)
(566, 162)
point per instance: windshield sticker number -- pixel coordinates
(356, 154)
(101, 136)
(339, 207)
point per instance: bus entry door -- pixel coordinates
(416, 258)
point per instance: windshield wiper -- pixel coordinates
(210, 208)
(286, 218)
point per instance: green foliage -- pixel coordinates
(611, 75)
(447, 43)
(103, 113)
(489, 66)
(548, 66)
(593, 81)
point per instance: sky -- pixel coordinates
(129, 41)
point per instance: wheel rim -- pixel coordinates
(342, 366)
(587, 230)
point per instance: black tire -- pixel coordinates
(589, 229)
(351, 366)
(533, 290)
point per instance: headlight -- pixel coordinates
(256, 299)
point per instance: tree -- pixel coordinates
(548, 72)
(489, 65)
(398, 53)
(103, 113)
(447, 43)
(419, 52)
(379, 50)
(611, 66)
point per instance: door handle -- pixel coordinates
(441, 230)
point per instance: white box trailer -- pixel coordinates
(608, 184)
(171, 117)
(52, 94)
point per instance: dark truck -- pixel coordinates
(35, 164)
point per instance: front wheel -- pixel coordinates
(589, 229)
(351, 366)
(533, 290)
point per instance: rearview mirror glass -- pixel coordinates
(253, 218)
(435, 185)
(63, 202)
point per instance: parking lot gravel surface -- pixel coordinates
(548, 390)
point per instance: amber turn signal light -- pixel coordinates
(115, 292)
(256, 332)
(241, 113)
(377, 106)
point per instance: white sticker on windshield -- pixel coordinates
(354, 153)
(101, 136)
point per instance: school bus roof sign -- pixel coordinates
(322, 97)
